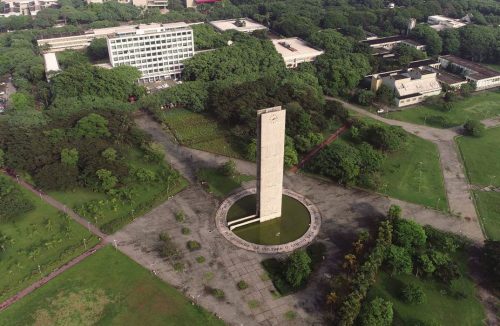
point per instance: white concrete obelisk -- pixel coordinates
(270, 156)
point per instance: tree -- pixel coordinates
(107, 179)
(447, 272)
(98, 49)
(399, 260)
(298, 268)
(92, 126)
(2, 158)
(474, 128)
(377, 312)
(409, 234)
(451, 40)
(386, 138)
(109, 154)
(428, 36)
(339, 161)
(69, 156)
(365, 97)
(22, 101)
(13, 202)
(413, 294)
(290, 157)
(394, 212)
(425, 264)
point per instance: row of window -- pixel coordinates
(153, 58)
(185, 41)
(149, 37)
(148, 50)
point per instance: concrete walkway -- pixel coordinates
(455, 180)
(312, 188)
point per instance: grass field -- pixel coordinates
(112, 215)
(440, 307)
(482, 157)
(479, 106)
(488, 205)
(413, 174)
(44, 237)
(106, 289)
(221, 185)
(493, 66)
(200, 132)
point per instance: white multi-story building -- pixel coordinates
(26, 7)
(157, 50)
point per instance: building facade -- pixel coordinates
(481, 76)
(295, 51)
(158, 51)
(26, 7)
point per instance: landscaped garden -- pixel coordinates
(35, 238)
(479, 106)
(198, 131)
(406, 275)
(110, 289)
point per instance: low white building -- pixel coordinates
(440, 23)
(410, 87)
(157, 50)
(296, 51)
(482, 76)
(390, 42)
(244, 25)
(51, 65)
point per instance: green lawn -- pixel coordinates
(113, 214)
(200, 132)
(106, 289)
(219, 184)
(482, 157)
(42, 237)
(479, 106)
(413, 174)
(488, 205)
(494, 66)
(440, 307)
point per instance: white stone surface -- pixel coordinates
(270, 154)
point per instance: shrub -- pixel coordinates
(242, 285)
(193, 245)
(168, 249)
(252, 304)
(290, 315)
(377, 312)
(413, 294)
(409, 234)
(179, 266)
(200, 259)
(185, 231)
(399, 260)
(473, 128)
(298, 268)
(394, 212)
(218, 294)
(179, 216)
(228, 169)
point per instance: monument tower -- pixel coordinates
(270, 154)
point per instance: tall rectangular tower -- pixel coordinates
(270, 153)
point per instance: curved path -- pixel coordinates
(456, 183)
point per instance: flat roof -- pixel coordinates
(230, 24)
(424, 62)
(51, 63)
(295, 47)
(382, 40)
(480, 71)
(449, 78)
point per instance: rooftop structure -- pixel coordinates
(482, 76)
(245, 25)
(390, 42)
(295, 51)
(440, 23)
(51, 65)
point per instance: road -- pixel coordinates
(456, 183)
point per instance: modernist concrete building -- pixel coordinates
(26, 7)
(390, 42)
(296, 51)
(411, 86)
(440, 23)
(482, 76)
(244, 25)
(270, 156)
(157, 50)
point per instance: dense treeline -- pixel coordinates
(13, 202)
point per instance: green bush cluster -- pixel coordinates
(193, 245)
(13, 202)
